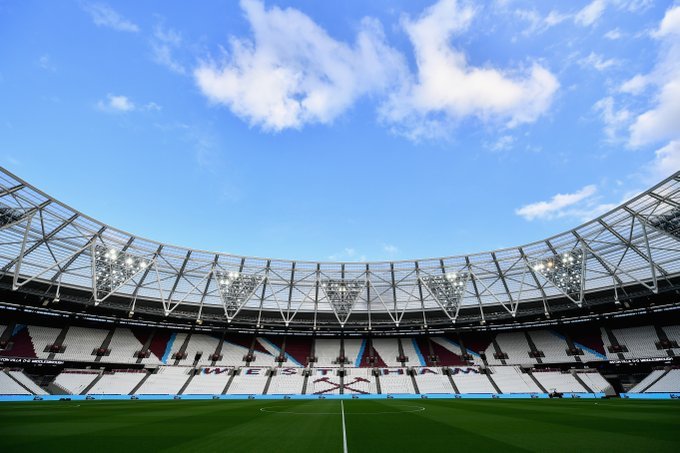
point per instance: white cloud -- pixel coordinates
(45, 62)
(614, 120)
(165, 41)
(347, 254)
(555, 207)
(590, 13)
(537, 22)
(504, 143)
(390, 249)
(634, 85)
(662, 122)
(447, 88)
(293, 73)
(104, 16)
(666, 162)
(598, 62)
(614, 34)
(122, 104)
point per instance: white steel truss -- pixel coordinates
(48, 245)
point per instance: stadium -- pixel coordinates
(94, 314)
(300, 226)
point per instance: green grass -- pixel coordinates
(316, 426)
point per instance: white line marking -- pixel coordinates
(407, 409)
(344, 430)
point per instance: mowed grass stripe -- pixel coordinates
(498, 425)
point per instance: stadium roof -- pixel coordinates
(47, 243)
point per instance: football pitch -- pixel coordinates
(335, 426)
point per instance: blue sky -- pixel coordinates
(341, 130)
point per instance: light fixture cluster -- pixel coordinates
(9, 215)
(113, 268)
(668, 222)
(564, 271)
(235, 288)
(342, 294)
(448, 289)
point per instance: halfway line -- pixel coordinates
(344, 430)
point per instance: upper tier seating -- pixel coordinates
(667, 384)
(432, 380)
(42, 337)
(553, 345)
(559, 382)
(388, 349)
(124, 344)
(117, 382)
(411, 350)
(640, 342)
(232, 354)
(673, 334)
(209, 381)
(327, 352)
(168, 380)
(9, 387)
(287, 381)
(251, 381)
(515, 345)
(352, 350)
(27, 382)
(198, 343)
(75, 381)
(80, 343)
(395, 380)
(510, 379)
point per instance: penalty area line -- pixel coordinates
(344, 429)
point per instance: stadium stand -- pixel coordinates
(9, 386)
(232, 354)
(168, 380)
(650, 379)
(26, 382)
(42, 338)
(359, 380)
(299, 350)
(286, 381)
(670, 382)
(74, 382)
(640, 342)
(209, 381)
(124, 344)
(595, 381)
(432, 380)
(388, 349)
(511, 379)
(81, 342)
(447, 351)
(327, 352)
(119, 382)
(515, 345)
(353, 351)
(412, 352)
(199, 344)
(324, 381)
(552, 345)
(470, 380)
(250, 381)
(395, 380)
(559, 382)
